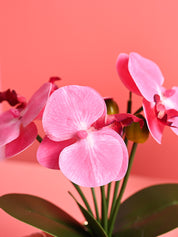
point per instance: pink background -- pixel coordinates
(80, 41)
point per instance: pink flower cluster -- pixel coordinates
(81, 139)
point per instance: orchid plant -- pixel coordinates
(86, 138)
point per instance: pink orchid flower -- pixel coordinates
(17, 129)
(144, 78)
(78, 142)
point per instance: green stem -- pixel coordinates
(139, 110)
(104, 209)
(129, 110)
(117, 205)
(83, 198)
(116, 188)
(95, 204)
(108, 194)
(39, 139)
(129, 103)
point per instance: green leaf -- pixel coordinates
(93, 225)
(41, 214)
(149, 212)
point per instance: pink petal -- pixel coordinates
(110, 118)
(23, 141)
(49, 151)
(146, 75)
(155, 126)
(36, 103)
(122, 69)
(70, 109)
(94, 161)
(9, 127)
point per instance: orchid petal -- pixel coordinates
(9, 127)
(122, 69)
(93, 161)
(110, 118)
(49, 151)
(154, 125)
(146, 75)
(24, 140)
(36, 103)
(70, 109)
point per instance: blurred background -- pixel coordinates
(79, 41)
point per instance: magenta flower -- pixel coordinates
(144, 78)
(78, 142)
(17, 129)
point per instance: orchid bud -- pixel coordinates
(136, 133)
(112, 107)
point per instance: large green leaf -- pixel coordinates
(93, 225)
(41, 214)
(149, 212)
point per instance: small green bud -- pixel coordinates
(135, 133)
(112, 107)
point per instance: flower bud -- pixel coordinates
(136, 133)
(112, 107)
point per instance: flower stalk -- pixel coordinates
(117, 205)
(82, 195)
(108, 193)
(104, 217)
(95, 204)
(116, 188)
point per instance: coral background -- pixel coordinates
(79, 41)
